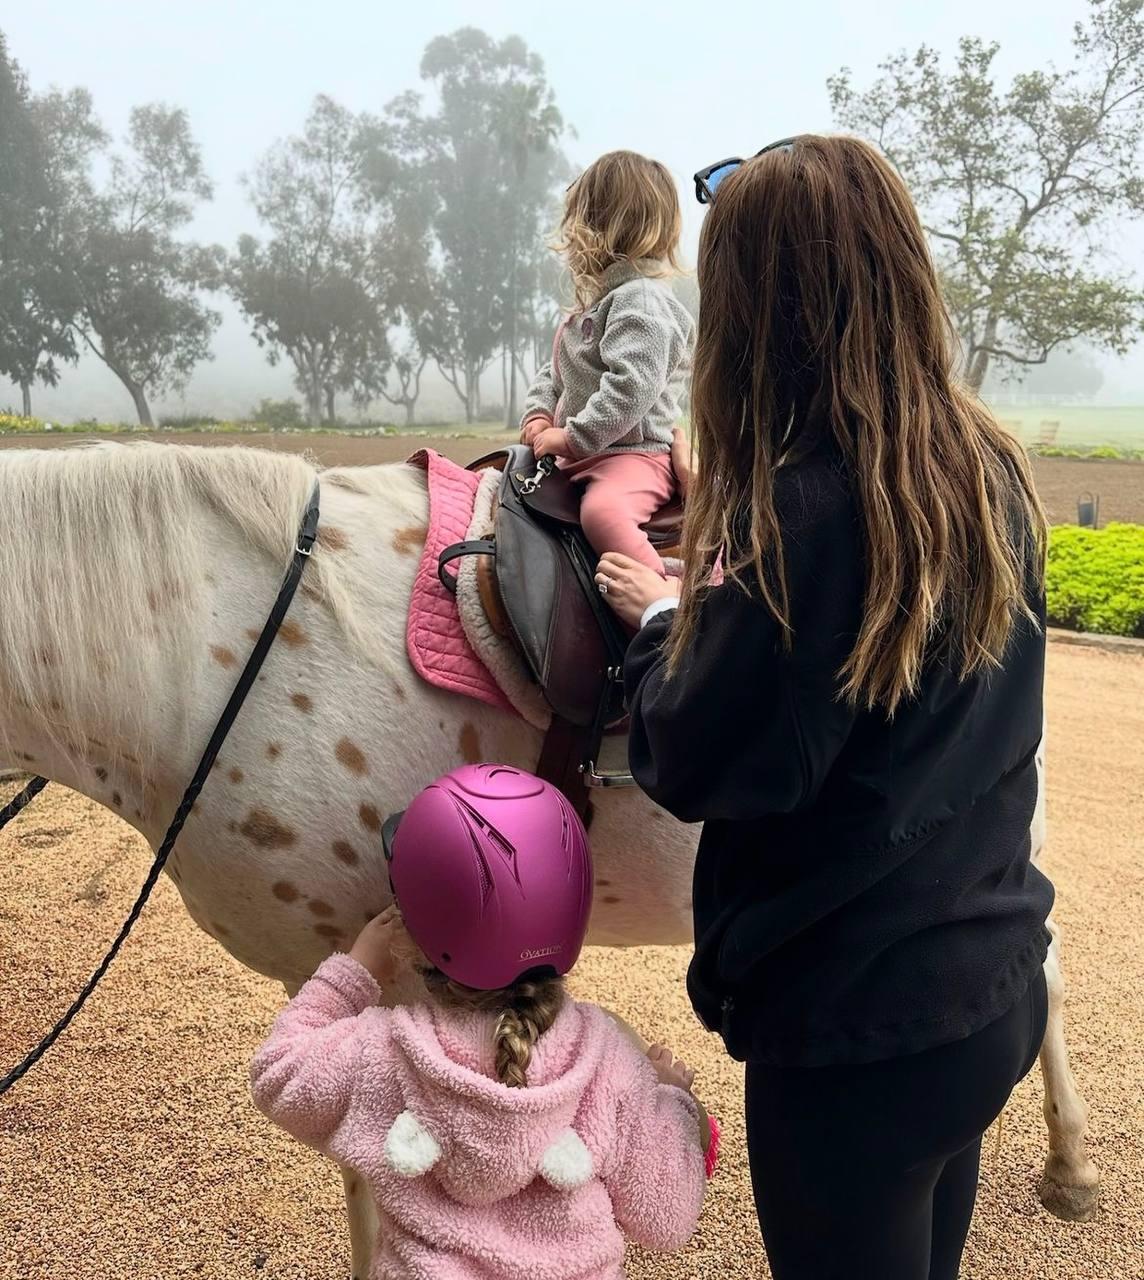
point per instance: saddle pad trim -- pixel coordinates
(435, 640)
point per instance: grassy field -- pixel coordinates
(1122, 426)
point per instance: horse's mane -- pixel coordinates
(97, 570)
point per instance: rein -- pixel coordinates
(307, 532)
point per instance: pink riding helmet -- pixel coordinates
(491, 870)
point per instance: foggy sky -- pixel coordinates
(686, 83)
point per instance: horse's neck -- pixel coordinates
(140, 773)
(141, 776)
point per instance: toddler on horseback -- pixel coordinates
(606, 403)
(502, 1128)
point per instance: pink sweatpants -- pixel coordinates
(623, 491)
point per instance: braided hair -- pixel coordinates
(524, 1012)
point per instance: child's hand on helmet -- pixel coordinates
(670, 1070)
(384, 947)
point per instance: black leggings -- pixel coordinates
(870, 1172)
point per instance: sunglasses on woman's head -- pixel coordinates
(707, 180)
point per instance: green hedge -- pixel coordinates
(1086, 452)
(1096, 579)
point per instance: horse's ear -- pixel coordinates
(567, 1163)
(410, 1149)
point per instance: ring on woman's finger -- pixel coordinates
(603, 584)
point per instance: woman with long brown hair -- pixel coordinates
(854, 714)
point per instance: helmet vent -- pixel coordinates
(482, 871)
(481, 823)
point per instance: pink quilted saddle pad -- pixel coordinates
(434, 638)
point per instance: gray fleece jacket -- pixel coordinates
(620, 368)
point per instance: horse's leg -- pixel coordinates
(359, 1207)
(1070, 1186)
(363, 1223)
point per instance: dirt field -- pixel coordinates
(1120, 485)
(134, 1150)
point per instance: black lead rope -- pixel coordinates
(307, 532)
(22, 801)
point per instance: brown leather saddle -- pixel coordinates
(537, 585)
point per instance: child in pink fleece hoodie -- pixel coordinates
(505, 1133)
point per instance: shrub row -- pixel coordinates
(1096, 579)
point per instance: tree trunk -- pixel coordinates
(470, 394)
(330, 406)
(979, 358)
(510, 413)
(142, 408)
(313, 395)
(410, 414)
(504, 381)
(26, 392)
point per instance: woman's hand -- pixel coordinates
(384, 946)
(629, 587)
(551, 441)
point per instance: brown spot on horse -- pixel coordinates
(116, 800)
(470, 743)
(406, 541)
(320, 908)
(273, 750)
(302, 702)
(370, 818)
(332, 539)
(610, 899)
(328, 931)
(236, 776)
(290, 633)
(223, 656)
(264, 829)
(101, 773)
(345, 853)
(352, 756)
(284, 891)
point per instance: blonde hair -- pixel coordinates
(822, 312)
(622, 208)
(524, 1012)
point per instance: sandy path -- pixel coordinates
(134, 1149)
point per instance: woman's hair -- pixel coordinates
(622, 208)
(524, 1012)
(821, 316)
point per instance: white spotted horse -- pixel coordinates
(135, 582)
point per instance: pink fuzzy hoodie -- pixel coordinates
(474, 1180)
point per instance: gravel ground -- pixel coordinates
(1060, 481)
(133, 1149)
